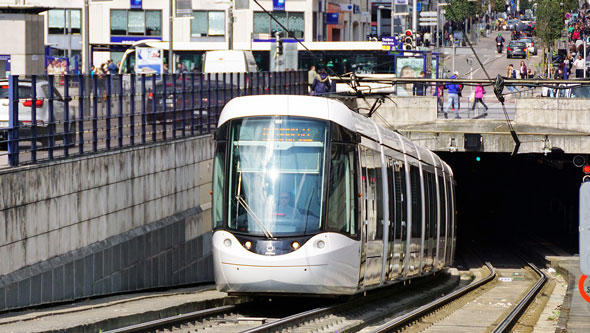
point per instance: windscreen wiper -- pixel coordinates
(249, 210)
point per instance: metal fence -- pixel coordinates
(48, 117)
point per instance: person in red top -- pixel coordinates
(523, 70)
(479, 92)
(575, 35)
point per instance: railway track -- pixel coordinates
(350, 315)
(482, 305)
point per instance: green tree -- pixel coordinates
(498, 5)
(525, 4)
(460, 10)
(550, 20)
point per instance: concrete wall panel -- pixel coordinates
(568, 114)
(72, 217)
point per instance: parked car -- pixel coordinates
(516, 49)
(530, 45)
(42, 111)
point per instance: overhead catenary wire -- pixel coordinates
(500, 98)
(299, 41)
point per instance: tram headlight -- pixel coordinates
(227, 242)
(295, 245)
(248, 245)
(321, 244)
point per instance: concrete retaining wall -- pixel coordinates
(402, 111)
(561, 113)
(112, 222)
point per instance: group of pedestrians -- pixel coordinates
(454, 93)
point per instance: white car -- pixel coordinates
(42, 110)
(530, 45)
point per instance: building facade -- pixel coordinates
(116, 24)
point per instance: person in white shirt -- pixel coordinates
(579, 66)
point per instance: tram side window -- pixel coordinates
(449, 207)
(443, 211)
(391, 192)
(218, 184)
(416, 202)
(378, 195)
(401, 209)
(371, 196)
(364, 186)
(341, 192)
(431, 204)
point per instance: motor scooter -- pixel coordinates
(499, 47)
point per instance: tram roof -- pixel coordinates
(324, 109)
(291, 105)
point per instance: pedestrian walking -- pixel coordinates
(311, 74)
(453, 97)
(427, 39)
(511, 74)
(579, 66)
(479, 92)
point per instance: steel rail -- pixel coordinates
(516, 313)
(428, 308)
(166, 322)
(291, 320)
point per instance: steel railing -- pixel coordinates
(121, 110)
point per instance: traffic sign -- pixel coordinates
(426, 24)
(428, 19)
(424, 14)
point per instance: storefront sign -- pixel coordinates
(332, 18)
(278, 5)
(131, 39)
(135, 4)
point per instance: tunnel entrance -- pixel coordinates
(530, 196)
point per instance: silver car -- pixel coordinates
(41, 109)
(530, 45)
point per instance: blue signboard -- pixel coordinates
(135, 4)
(278, 5)
(418, 6)
(130, 39)
(331, 18)
(4, 60)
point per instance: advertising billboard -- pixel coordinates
(148, 60)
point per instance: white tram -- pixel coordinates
(312, 198)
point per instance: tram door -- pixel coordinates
(373, 224)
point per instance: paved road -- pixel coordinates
(494, 64)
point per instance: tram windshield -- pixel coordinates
(276, 176)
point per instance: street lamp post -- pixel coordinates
(415, 17)
(86, 40)
(171, 67)
(392, 18)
